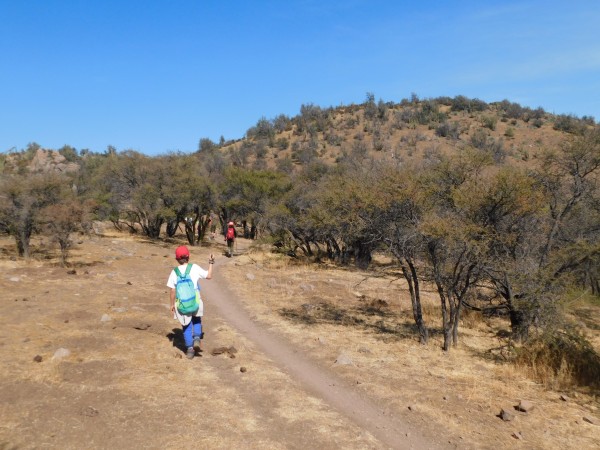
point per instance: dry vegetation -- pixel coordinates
(122, 382)
(367, 317)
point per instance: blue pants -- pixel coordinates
(191, 330)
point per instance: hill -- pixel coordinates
(410, 130)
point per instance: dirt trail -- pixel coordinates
(364, 412)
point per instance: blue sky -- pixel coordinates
(156, 76)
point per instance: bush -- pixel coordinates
(561, 359)
(449, 130)
(489, 122)
(568, 124)
(282, 143)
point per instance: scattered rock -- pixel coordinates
(61, 353)
(564, 398)
(129, 283)
(591, 419)
(90, 411)
(524, 406)
(143, 326)
(343, 360)
(518, 435)
(72, 272)
(37, 358)
(105, 318)
(119, 310)
(321, 340)
(250, 277)
(243, 369)
(307, 287)
(230, 351)
(506, 415)
(412, 408)
(364, 350)
(14, 279)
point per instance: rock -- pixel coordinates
(230, 351)
(37, 358)
(412, 408)
(61, 353)
(119, 310)
(14, 279)
(72, 272)
(525, 406)
(105, 318)
(243, 369)
(250, 277)
(129, 283)
(307, 287)
(364, 350)
(321, 340)
(518, 435)
(506, 415)
(90, 411)
(591, 419)
(343, 360)
(564, 398)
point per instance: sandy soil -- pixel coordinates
(125, 384)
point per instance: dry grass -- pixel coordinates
(329, 311)
(123, 381)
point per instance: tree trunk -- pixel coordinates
(455, 321)
(519, 324)
(172, 226)
(415, 298)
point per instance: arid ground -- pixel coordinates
(295, 356)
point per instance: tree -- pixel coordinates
(61, 220)
(22, 197)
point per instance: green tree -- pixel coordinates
(22, 197)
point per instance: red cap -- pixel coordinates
(181, 252)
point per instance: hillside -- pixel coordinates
(397, 132)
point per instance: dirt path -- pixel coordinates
(392, 432)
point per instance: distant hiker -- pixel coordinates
(186, 303)
(230, 236)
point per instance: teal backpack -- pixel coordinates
(185, 292)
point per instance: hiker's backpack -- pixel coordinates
(185, 292)
(230, 233)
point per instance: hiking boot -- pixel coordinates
(190, 353)
(197, 344)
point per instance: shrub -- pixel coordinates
(561, 359)
(568, 124)
(489, 122)
(449, 130)
(282, 143)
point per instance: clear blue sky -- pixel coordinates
(156, 76)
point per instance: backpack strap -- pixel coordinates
(187, 271)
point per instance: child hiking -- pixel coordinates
(186, 303)
(230, 236)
